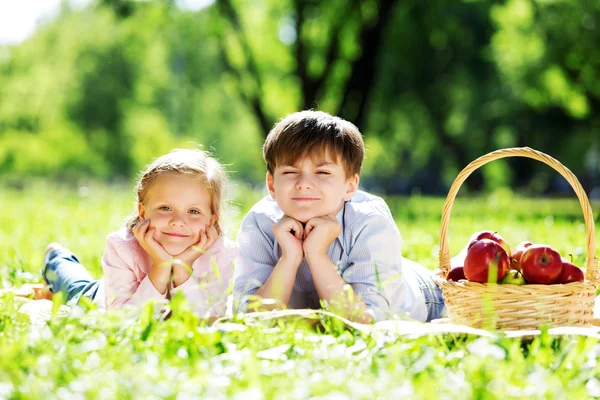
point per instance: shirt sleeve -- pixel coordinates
(255, 261)
(208, 286)
(375, 266)
(124, 280)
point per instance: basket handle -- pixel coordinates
(591, 262)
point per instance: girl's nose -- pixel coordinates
(177, 221)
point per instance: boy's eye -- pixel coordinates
(288, 172)
(323, 172)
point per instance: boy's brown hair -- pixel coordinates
(304, 133)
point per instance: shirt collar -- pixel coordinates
(340, 218)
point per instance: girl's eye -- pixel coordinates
(164, 208)
(195, 212)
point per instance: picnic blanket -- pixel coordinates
(408, 328)
(41, 310)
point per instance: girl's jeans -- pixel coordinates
(64, 273)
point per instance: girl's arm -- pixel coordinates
(208, 286)
(125, 266)
(162, 267)
(182, 267)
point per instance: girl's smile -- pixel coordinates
(178, 207)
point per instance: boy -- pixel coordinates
(318, 239)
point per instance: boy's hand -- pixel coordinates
(289, 233)
(319, 232)
(183, 270)
(144, 235)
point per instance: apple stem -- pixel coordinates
(571, 255)
(544, 258)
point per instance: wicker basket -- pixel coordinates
(514, 307)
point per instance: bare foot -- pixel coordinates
(36, 291)
(43, 293)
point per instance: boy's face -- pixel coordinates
(312, 187)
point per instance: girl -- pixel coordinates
(173, 243)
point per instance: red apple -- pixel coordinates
(456, 274)
(492, 236)
(515, 260)
(570, 272)
(486, 261)
(540, 263)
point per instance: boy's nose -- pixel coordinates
(303, 182)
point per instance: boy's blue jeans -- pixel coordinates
(64, 273)
(432, 293)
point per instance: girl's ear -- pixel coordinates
(270, 184)
(352, 186)
(213, 219)
(141, 211)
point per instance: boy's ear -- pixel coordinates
(270, 185)
(141, 211)
(352, 186)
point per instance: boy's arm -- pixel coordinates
(375, 268)
(373, 272)
(255, 261)
(340, 296)
(279, 286)
(335, 291)
(257, 271)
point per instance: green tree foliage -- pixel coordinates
(101, 93)
(323, 53)
(432, 85)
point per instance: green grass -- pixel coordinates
(127, 355)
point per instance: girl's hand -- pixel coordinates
(207, 238)
(162, 262)
(183, 270)
(144, 235)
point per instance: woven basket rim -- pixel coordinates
(444, 252)
(519, 306)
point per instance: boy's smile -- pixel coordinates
(305, 198)
(312, 187)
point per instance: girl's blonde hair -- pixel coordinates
(192, 162)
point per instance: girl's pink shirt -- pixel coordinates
(126, 266)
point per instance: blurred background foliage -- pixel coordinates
(99, 91)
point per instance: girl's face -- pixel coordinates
(179, 207)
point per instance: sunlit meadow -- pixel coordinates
(88, 354)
